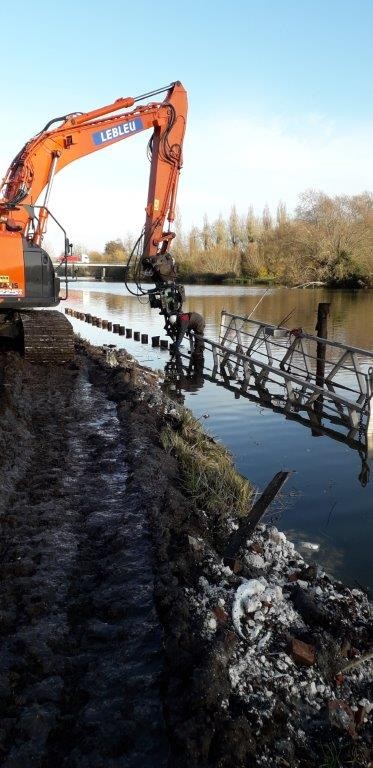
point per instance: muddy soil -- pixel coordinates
(81, 645)
(118, 640)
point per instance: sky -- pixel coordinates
(279, 101)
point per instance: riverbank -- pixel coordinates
(214, 666)
(264, 663)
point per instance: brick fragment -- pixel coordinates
(302, 653)
(342, 716)
(237, 566)
(257, 547)
(220, 614)
(294, 576)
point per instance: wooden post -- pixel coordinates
(249, 523)
(88, 318)
(164, 344)
(136, 335)
(155, 341)
(128, 333)
(109, 326)
(121, 330)
(322, 333)
(115, 327)
(144, 338)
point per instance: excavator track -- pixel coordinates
(48, 337)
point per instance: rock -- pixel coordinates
(345, 648)
(246, 591)
(310, 545)
(368, 705)
(360, 715)
(251, 604)
(196, 544)
(237, 566)
(256, 561)
(256, 547)
(220, 614)
(294, 576)
(310, 610)
(302, 653)
(272, 595)
(277, 536)
(342, 716)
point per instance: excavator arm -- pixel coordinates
(66, 139)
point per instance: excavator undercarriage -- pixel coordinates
(44, 336)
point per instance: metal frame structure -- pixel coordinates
(280, 369)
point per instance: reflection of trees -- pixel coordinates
(349, 322)
(350, 314)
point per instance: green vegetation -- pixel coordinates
(206, 469)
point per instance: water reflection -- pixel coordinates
(180, 378)
(261, 439)
(182, 375)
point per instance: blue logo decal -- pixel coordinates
(117, 132)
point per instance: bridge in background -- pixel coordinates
(102, 268)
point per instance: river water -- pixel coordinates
(323, 502)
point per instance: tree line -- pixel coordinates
(327, 239)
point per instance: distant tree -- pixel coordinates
(96, 257)
(234, 227)
(266, 218)
(281, 215)
(206, 233)
(219, 228)
(115, 251)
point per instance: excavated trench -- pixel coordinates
(81, 645)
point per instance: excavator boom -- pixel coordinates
(27, 276)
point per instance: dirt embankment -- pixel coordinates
(214, 667)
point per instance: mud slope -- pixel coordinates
(80, 641)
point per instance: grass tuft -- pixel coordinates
(206, 469)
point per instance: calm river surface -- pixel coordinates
(323, 502)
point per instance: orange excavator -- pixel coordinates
(28, 280)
